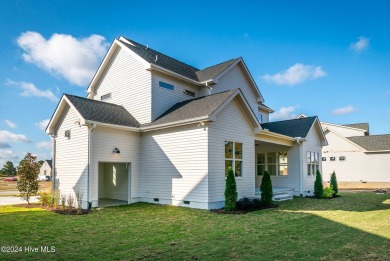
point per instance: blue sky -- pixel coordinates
(322, 58)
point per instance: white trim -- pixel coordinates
(169, 72)
(174, 124)
(262, 107)
(108, 125)
(345, 139)
(346, 127)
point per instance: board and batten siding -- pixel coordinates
(293, 159)
(358, 166)
(343, 130)
(71, 156)
(233, 79)
(231, 125)
(174, 166)
(312, 144)
(104, 140)
(129, 84)
(163, 99)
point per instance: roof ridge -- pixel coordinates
(220, 63)
(291, 119)
(160, 53)
(93, 100)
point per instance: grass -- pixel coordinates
(8, 188)
(355, 226)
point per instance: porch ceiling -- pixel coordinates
(274, 138)
(267, 146)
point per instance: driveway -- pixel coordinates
(16, 200)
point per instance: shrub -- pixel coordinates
(230, 191)
(56, 198)
(333, 183)
(69, 202)
(247, 204)
(28, 171)
(328, 192)
(79, 196)
(44, 199)
(266, 189)
(63, 201)
(318, 186)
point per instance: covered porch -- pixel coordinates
(279, 156)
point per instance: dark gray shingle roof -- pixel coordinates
(103, 112)
(191, 109)
(372, 142)
(167, 62)
(363, 126)
(292, 128)
(49, 162)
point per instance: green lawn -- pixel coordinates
(355, 226)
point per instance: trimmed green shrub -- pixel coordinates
(44, 199)
(247, 204)
(318, 186)
(266, 189)
(333, 183)
(230, 191)
(328, 192)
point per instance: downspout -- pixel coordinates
(89, 203)
(300, 142)
(53, 165)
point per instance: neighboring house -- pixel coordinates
(359, 159)
(45, 170)
(154, 129)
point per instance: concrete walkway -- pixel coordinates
(16, 200)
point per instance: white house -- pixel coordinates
(154, 129)
(45, 170)
(359, 159)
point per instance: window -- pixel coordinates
(166, 86)
(342, 158)
(332, 158)
(233, 157)
(189, 93)
(105, 97)
(323, 158)
(260, 117)
(44, 172)
(273, 162)
(312, 162)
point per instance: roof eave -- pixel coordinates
(174, 124)
(169, 72)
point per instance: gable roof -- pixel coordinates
(194, 108)
(103, 112)
(362, 126)
(372, 142)
(49, 162)
(215, 70)
(292, 128)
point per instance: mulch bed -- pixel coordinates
(56, 210)
(240, 212)
(313, 197)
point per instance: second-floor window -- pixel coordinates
(105, 97)
(166, 86)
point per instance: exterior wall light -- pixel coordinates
(116, 151)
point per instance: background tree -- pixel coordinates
(41, 162)
(9, 169)
(318, 186)
(266, 189)
(333, 183)
(230, 191)
(28, 172)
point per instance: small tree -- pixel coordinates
(318, 186)
(266, 189)
(9, 169)
(333, 183)
(230, 191)
(28, 172)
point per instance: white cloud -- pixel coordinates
(360, 45)
(30, 90)
(74, 59)
(285, 113)
(6, 136)
(344, 110)
(7, 155)
(296, 74)
(44, 145)
(42, 124)
(10, 124)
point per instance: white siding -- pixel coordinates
(234, 79)
(345, 131)
(293, 158)
(265, 115)
(71, 155)
(312, 144)
(104, 140)
(45, 166)
(231, 125)
(174, 166)
(129, 84)
(358, 166)
(163, 99)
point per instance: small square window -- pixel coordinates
(323, 158)
(332, 158)
(342, 158)
(105, 97)
(166, 86)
